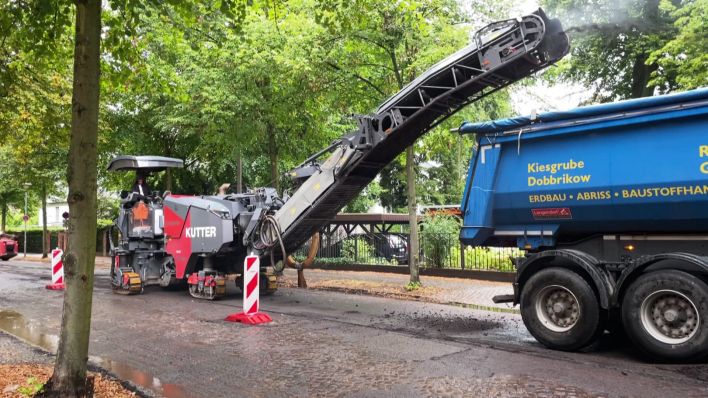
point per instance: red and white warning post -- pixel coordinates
(251, 299)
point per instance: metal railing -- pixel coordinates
(436, 251)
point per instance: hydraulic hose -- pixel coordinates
(314, 247)
(270, 236)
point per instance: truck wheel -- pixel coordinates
(665, 315)
(560, 309)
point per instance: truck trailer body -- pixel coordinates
(611, 204)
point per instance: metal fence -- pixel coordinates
(436, 251)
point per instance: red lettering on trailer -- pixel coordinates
(555, 213)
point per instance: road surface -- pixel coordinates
(329, 344)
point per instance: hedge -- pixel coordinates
(34, 237)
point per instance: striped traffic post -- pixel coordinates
(57, 271)
(251, 280)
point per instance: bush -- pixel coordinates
(34, 236)
(440, 234)
(488, 258)
(357, 250)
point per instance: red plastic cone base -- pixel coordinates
(253, 319)
(55, 286)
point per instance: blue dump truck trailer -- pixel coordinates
(610, 203)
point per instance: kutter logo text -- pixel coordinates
(556, 173)
(201, 232)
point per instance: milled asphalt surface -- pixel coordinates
(329, 344)
(448, 290)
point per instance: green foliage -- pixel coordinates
(33, 387)
(439, 234)
(357, 250)
(381, 45)
(366, 199)
(212, 82)
(413, 286)
(487, 258)
(633, 48)
(683, 59)
(260, 93)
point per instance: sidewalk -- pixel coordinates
(455, 291)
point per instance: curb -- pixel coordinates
(410, 297)
(492, 276)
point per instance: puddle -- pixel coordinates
(14, 323)
(140, 378)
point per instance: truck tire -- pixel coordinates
(665, 314)
(561, 310)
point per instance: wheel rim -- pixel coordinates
(557, 308)
(669, 316)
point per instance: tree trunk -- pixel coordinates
(168, 179)
(413, 242)
(167, 150)
(4, 216)
(273, 154)
(69, 377)
(412, 215)
(239, 173)
(641, 72)
(45, 245)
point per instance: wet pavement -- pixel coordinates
(326, 344)
(471, 293)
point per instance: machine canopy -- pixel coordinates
(144, 163)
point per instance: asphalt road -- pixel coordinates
(329, 344)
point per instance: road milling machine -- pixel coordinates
(172, 239)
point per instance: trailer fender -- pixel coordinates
(688, 262)
(579, 260)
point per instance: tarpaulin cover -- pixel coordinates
(510, 124)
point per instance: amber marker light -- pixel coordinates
(629, 248)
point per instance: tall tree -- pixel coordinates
(10, 194)
(382, 45)
(69, 375)
(682, 62)
(633, 48)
